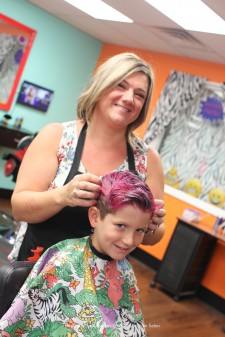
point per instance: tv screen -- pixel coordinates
(35, 96)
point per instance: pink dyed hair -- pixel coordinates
(124, 188)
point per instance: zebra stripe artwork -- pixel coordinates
(192, 148)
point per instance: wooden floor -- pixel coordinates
(165, 317)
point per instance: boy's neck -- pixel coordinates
(97, 253)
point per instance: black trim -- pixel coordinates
(212, 299)
(203, 293)
(4, 193)
(78, 153)
(97, 253)
(146, 258)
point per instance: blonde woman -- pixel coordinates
(60, 175)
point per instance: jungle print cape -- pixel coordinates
(75, 291)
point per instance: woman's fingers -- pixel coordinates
(158, 217)
(81, 193)
(83, 190)
(87, 186)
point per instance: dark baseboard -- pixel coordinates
(211, 299)
(146, 258)
(203, 293)
(4, 193)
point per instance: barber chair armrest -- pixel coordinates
(12, 277)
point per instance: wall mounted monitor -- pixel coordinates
(35, 96)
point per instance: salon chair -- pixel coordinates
(12, 276)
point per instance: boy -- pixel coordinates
(87, 287)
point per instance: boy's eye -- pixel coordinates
(121, 226)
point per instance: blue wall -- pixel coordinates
(62, 58)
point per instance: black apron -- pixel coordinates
(70, 222)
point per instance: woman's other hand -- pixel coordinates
(159, 215)
(156, 228)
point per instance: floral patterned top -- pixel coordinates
(67, 149)
(73, 290)
(65, 154)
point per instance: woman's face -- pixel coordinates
(123, 103)
(32, 92)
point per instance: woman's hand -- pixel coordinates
(158, 217)
(156, 228)
(82, 190)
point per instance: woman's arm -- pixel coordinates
(155, 180)
(31, 200)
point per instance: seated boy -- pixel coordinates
(87, 287)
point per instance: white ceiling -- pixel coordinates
(151, 30)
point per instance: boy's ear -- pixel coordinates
(93, 215)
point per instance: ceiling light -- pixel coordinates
(99, 10)
(191, 15)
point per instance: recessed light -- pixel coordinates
(191, 15)
(99, 10)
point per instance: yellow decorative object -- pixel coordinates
(193, 187)
(171, 178)
(216, 197)
(88, 281)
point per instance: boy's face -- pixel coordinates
(118, 233)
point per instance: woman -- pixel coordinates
(51, 192)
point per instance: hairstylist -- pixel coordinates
(60, 175)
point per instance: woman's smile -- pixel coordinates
(123, 107)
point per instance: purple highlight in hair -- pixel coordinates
(124, 188)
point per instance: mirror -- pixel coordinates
(16, 41)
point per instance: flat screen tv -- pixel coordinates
(35, 96)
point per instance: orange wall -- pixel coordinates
(214, 277)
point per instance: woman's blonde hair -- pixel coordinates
(108, 75)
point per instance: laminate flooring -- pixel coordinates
(165, 317)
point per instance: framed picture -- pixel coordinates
(16, 41)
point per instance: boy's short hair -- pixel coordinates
(124, 188)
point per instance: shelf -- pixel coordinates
(9, 136)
